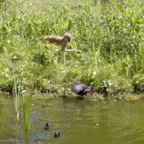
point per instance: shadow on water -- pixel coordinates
(72, 99)
(78, 120)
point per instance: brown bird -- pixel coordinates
(61, 41)
(80, 88)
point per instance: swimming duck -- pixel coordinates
(57, 134)
(46, 126)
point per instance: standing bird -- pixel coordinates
(80, 88)
(61, 41)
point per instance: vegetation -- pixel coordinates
(16, 97)
(26, 110)
(108, 36)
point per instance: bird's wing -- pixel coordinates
(79, 87)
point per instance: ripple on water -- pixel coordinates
(79, 121)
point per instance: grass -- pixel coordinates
(16, 97)
(108, 36)
(26, 110)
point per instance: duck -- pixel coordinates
(80, 88)
(46, 126)
(57, 134)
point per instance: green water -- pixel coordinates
(80, 121)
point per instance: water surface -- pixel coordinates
(80, 121)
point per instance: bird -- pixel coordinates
(61, 41)
(57, 134)
(80, 89)
(58, 40)
(46, 126)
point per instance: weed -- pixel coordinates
(108, 36)
(16, 97)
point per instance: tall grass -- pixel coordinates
(26, 110)
(108, 36)
(16, 97)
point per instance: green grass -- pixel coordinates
(26, 110)
(16, 97)
(108, 36)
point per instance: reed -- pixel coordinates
(16, 97)
(26, 110)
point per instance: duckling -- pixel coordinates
(80, 88)
(46, 126)
(57, 134)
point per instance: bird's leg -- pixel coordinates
(64, 54)
(66, 50)
(63, 48)
(64, 57)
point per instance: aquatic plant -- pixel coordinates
(16, 97)
(26, 110)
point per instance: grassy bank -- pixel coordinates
(108, 36)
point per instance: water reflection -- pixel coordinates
(80, 121)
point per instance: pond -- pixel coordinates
(79, 121)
